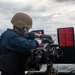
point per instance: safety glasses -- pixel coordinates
(23, 28)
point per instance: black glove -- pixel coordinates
(47, 38)
(44, 40)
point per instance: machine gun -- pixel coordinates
(46, 53)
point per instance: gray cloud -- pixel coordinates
(27, 8)
(15, 7)
(73, 1)
(42, 8)
(46, 14)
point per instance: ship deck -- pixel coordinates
(62, 69)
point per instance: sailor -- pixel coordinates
(16, 44)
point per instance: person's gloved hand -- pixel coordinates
(47, 38)
(44, 40)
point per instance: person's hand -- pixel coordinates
(39, 42)
(37, 34)
(46, 38)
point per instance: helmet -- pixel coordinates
(21, 20)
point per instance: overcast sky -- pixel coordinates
(46, 14)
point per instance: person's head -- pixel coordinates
(21, 22)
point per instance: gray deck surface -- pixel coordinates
(64, 68)
(61, 68)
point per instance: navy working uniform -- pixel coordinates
(15, 45)
(15, 51)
